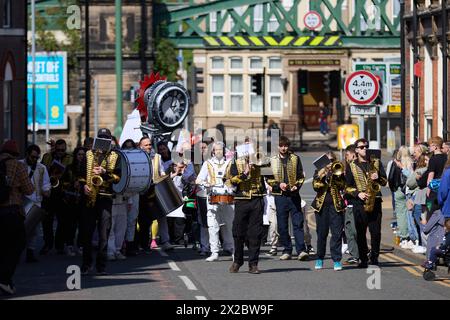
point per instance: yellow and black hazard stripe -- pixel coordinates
(269, 41)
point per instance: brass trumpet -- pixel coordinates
(337, 168)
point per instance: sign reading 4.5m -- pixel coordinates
(362, 87)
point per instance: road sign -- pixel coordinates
(361, 87)
(394, 108)
(363, 110)
(312, 20)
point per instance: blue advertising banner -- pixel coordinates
(51, 72)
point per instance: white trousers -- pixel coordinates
(220, 218)
(118, 228)
(132, 218)
(271, 212)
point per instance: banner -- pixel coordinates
(51, 72)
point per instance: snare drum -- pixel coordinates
(136, 172)
(221, 199)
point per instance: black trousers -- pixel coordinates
(12, 241)
(247, 229)
(56, 208)
(329, 219)
(364, 220)
(101, 216)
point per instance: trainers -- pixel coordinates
(337, 266)
(350, 261)
(153, 245)
(303, 256)
(285, 256)
(272, 252)
(7, 289)
(213, 257)
(409, 245)
(167, 246)
(394, 225)
(403, 244)
(310, 249)
(319, 264)
(120, 256)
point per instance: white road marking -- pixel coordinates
(308, 180)
(200, 298)
(188, 283)
(173, 266)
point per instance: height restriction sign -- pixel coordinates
(362, 87)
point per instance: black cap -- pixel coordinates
(104, 133)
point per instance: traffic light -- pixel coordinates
(303, 82)
(257, 84)
(379, 100)
(326, 82)
(198, 80)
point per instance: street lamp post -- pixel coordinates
(444, 27)
(403, 71)
(33, 66)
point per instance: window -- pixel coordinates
(236, 93)
(258, 18)
(275, 93)
(7, 13)
(274, 63)
(236, 63)
(217, 93)
(7, 102)
(217, 63)
(396, 8)
(213, 22)
(256, 63)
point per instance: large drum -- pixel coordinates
(136, 172)
(167, 196)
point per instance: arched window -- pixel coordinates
(7, 102)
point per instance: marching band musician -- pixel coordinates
(56, 162)
(329, 183)
(38, 175)
(364, 177)
(99, 203)
(148, 207)
(287, 179)
(248, 216)
(219, 216)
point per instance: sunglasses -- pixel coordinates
(362, 147)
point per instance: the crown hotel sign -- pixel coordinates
(314, 62)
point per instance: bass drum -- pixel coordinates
(136, 172)
(167, 196)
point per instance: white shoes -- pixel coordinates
(213, 257)
(410, 245)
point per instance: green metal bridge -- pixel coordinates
(262, 24)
